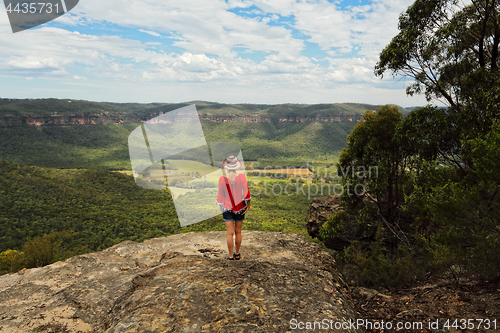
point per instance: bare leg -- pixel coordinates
(229, 234)
(238, 237)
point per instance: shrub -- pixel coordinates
(43, 250)
(374, 266)
(336, 224)
(11, 261)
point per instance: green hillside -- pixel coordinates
(69, 147)
(41, 107)
(104, 145)
(282, 141)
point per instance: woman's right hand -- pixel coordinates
(248, 207)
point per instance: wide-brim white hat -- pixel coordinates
(231, 163)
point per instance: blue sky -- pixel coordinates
(232, 51)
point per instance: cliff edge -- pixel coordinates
(181, 283)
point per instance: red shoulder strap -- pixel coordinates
(230, 193)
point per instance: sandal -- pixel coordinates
(237, 256)
(228, 258)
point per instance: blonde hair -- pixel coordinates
(231, 174)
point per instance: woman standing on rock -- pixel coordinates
(234, 200)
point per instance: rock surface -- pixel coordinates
(180, 283)
(320, 210)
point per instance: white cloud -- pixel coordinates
(204, 26)
(351, 37)
(49, 51)
(353, 70)
(152, 33)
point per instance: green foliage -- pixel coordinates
(43, 250)
(448, 207)
(69, 147)
(462, 212)
(433, 134)
(442, 43)
(98, 208)
(11, 261)
(375, 163)
(438, 168)
(37, 252)
(374, 266)
(335, 225)
(483, 107)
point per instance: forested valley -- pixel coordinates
(67, 189)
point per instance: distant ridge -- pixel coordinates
(11, 109)
(68, 134)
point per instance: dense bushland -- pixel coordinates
(98, 208)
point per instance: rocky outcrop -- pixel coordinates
(321, 209)
(236, 118)
(65, 120)
(104, 119)
(181, 283)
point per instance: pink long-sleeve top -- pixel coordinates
(241, 194)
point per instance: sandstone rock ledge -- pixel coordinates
(181, 283)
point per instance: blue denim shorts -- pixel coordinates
(230, 216)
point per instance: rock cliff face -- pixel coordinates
(66, 120)
(79, 119)
(180, 283)
(321, 209)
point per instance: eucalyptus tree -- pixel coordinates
(451, 50)
(447, 47)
